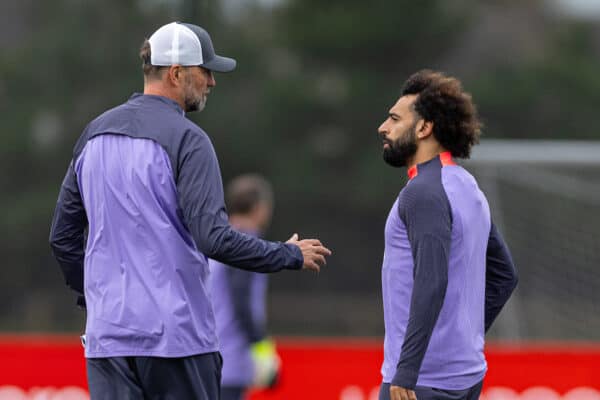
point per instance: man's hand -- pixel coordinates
(400, 393)
(313, 252)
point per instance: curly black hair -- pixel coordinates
(441, 100)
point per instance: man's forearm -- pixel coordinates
(217, 240)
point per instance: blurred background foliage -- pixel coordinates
(314, 81)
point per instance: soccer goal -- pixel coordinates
(545, 198)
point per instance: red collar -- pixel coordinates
(412, 172)
(445, 160)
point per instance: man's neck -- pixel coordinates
(159, 90)
(425, 153)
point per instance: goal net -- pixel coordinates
(545, 198)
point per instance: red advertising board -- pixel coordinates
(53, 368)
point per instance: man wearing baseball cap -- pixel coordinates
(145, 184)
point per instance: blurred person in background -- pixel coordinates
(145, 183)
(447, 271)
(239, 297)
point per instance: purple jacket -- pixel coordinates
(145, 183)
(446, 274)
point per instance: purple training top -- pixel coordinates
(145, 182)
(441, 250)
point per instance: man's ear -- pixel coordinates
(424, 129)
(175, 75)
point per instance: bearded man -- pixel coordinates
(144, 187)
(446, 272)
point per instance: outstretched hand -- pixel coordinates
(313, 252)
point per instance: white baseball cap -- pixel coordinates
(186, 45)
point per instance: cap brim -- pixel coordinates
(220, 64)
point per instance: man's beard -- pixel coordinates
(402, 149)
(190, 100)
(193, 103)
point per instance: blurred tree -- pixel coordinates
(551, 96)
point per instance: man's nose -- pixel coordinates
(382, 129)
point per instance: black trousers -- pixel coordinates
(153, 378)
(233, 393)
(427, 393)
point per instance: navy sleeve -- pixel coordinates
(240, 283)
(200, 192)
(500, 276)
(67, 233)
(428, 220)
